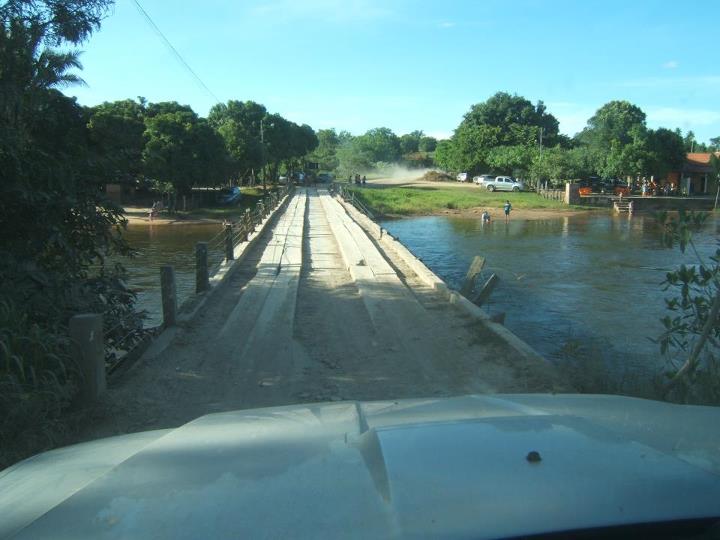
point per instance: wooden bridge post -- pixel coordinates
(229, 247)
(246, 225)
(169, 295)
(481, 297)
(86, 331)
(202, 278)
(475, 267)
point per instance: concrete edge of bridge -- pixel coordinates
(392, 246)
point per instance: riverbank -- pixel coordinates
(460, 200)
(139, 215)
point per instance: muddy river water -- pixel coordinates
(585, 285)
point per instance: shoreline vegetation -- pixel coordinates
(420, 198)
(139, 214)
(389, 198)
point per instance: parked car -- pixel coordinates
(229, 197)
(462, 177)
(504, 183)
(482, 179)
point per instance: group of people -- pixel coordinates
(358, 181)
(485, 216)
(650, 188)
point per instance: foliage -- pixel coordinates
(499, 135)
(692, 329)
(117, 132)
(57, 226)
(379, 144)
(427, 144)
(326, 152)
(410, 142)
(183, 149)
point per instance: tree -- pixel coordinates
(380, 144)
(714, 145)
(354, 158)
(116, 130)
(183, 149)
(239, 125)
(410, 142)
(617, 140)
(427, 144)
(558, 164)
(325, 153)
(511, 160)
(57, 226)
(668, 152)
(518, 120)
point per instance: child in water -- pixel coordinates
(485, 217)
(507, 209)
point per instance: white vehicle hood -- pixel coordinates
(438, 468)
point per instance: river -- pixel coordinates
(157, 245)
(584, 287)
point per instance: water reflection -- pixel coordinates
(159, 245)
(588, 281)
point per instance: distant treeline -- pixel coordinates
(507, 134)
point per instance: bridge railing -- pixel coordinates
(350, 196)
(125, 339)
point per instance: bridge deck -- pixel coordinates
(316, 312)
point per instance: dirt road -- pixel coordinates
(292, 325)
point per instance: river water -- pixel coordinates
(586, 286)
(157, 245)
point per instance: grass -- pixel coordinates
(421, 200)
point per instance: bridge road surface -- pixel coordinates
(292, 325)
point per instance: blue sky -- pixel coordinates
(359, 64)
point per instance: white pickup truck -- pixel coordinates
(504, 183)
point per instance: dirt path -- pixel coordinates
(292, 326)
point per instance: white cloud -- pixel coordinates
(446, 24)
(323, 10)
(671, 64)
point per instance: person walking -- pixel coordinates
(507, 209)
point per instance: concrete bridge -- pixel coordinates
(321, 306)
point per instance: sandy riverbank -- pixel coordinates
(497, 214)
(138, 215)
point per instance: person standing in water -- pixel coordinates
(507, 209)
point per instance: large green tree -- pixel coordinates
(325, 155)
(116, 131)
(239, 124)
(184, 149)
(503, 120)
(380, 144)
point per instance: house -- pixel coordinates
(697, 176)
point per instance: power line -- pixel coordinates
(177, 55)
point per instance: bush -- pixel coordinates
(437, 176)
(38, 379)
